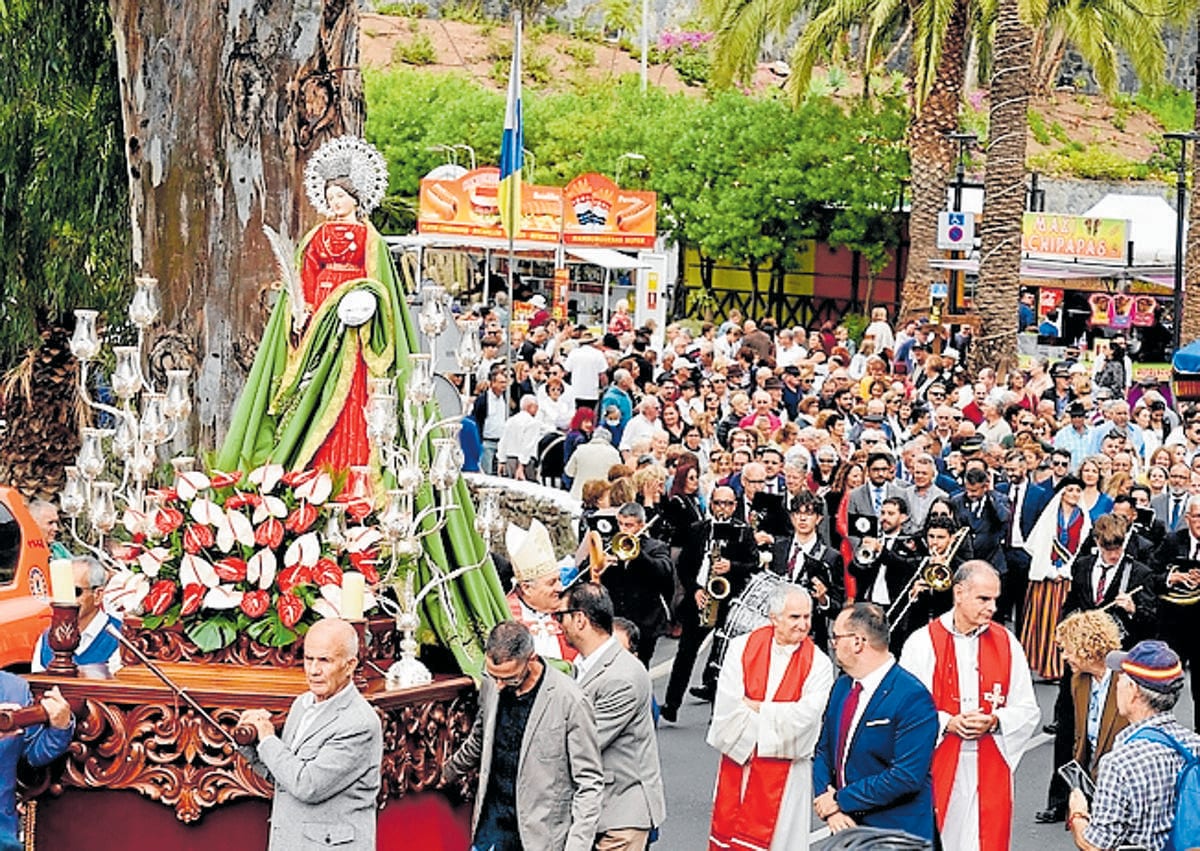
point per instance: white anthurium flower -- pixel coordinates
(262, 563)
(133, 521)
(243, 530)
(325, 609)
(332, 594)
(190, 484)
(222, 597)
(316, 490)
(266, 477)
(151, 561)
(207, 512)
(271, 506)
(362, 538)
(195, 570)
(305, 550)
(125, 592)
(266, 571)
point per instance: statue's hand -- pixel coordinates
(356, 308)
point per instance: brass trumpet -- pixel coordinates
(625, 547)
(621, 546)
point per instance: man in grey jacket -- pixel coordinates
(618, 688)
(534, 741)
(326, 765)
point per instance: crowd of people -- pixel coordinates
(821, 504)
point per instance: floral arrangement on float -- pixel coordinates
(264, 554)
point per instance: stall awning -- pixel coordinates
(607, 257)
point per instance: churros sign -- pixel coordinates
(592, 210)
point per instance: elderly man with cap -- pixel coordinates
(1135, 800)
(537, 589)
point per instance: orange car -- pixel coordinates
(24, 582)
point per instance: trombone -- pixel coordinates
(934, 572)
(622, 546)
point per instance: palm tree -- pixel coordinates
(1004, 192)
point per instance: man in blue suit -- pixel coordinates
(1027, 499)
(873, 758)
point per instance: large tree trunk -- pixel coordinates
(1191, 271)
(932, 158)
(1003, 194)
(222, 105)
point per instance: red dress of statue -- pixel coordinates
(336, 253)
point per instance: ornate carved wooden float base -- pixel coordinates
(145, 772)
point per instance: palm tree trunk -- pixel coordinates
(1003, 194)
(932, 157)
(1191, 303)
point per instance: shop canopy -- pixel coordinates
(607, 258)
(1152, 225)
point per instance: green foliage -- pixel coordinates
(1059, 132)
(856, 325)
(1037, 126)
(418, 51)
(1095, 162)
(584, 55)
(537, 67)
(1174, 109)
(467, 11)
(64, 209)
(618, 15)
(403, 10)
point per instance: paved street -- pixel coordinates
(690, 768)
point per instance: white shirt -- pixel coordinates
(520, 438)
(639, 428)
(497, 415)
(586, 364)
(583, 664)
(879, 591)
(86, 636)
(869, 684)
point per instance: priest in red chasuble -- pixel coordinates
(981, 686)
(771, 693)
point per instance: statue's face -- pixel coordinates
(340, 201)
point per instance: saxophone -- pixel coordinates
(716, 588)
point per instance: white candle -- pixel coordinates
(62, 580)
(353, 589)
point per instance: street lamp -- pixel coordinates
(965, 141)
(628, 155)
(1180, 200)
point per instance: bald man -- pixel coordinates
(325, 767)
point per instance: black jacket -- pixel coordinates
(1129, 575)
(641, 589)
(900, 561)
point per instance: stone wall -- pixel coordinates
(521, 501)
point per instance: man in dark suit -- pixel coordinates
(641, 587)
(882, 578)
(1177, 571)
(1027, 499)
(803, 559)
(868, 497)
(619, 691)
(738, 559)
(873, 758)
(986, 512)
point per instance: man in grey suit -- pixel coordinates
(618, 688)
(534, 741)
(326, 766)
(867, 498)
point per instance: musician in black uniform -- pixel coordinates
(1177, 572)
(942, 541)
(891, 557)
(738, 560)
(642, 587)
(803, 559)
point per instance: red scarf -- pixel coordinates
(995, 777)
(748, 817)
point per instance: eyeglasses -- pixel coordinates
(754, 481)
(559, 615)
(515, 679)
(834, 637)
(1058, 462)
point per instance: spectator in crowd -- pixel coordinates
(586, 365)
(1177, 564)
(45, 515)
(876, 747)
(325, 767)
(766, 720)
(517, 449)
(592, 460)
(491, 412)
(983, 731)
(1135, 804)
(98, 648)
(618, 689)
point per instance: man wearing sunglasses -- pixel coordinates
(541, 779)
(97, 648)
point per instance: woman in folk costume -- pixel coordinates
(1053, 545)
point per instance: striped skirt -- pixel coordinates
(1043, 606)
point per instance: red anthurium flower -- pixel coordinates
(197, 538)
(160, 598)
(241, 500)
(301, 518)
(255, 603)
(165, 494)
(326, 572)
(298, 477)
(269, 533)
(225, 480)
(167, 520)
(231, 569)
(130, 552)
(193, 596)
(290, 577)
(358, 509)
(290, 608)
(365, 564)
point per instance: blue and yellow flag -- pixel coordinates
(512, 149)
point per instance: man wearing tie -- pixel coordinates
(1027, 499)
(868, 497)
(986, 512)
(1171, 505)
(1179, 573)
(801, 558)
(872, 763)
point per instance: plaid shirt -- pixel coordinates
(1135, 788)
